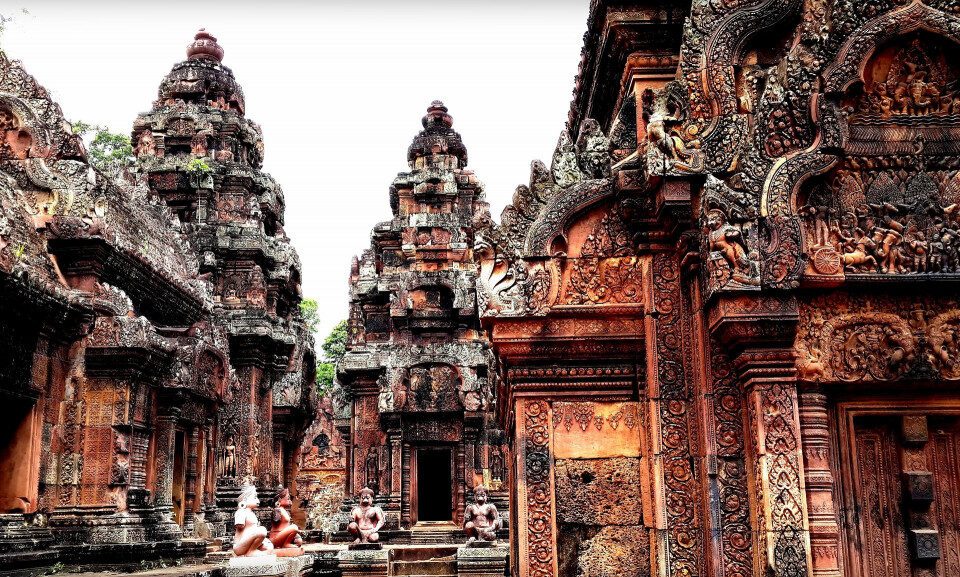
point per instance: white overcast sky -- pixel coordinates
(338, 88)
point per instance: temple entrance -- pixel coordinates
(19, 443)
(434, 485)
(904, 494)
(179, 476)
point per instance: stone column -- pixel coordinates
(190, 492)
(821, 511)
(165, 436)
(536, 529)
(396, 469)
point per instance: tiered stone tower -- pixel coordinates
(203, 157)
(416, 366)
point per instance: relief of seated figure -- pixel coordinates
(250, 538)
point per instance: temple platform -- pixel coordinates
(318, 560)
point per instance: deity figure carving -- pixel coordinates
(366, 519)
(726, 240)
(250, 538)
(481, 520)
(283, 533)
(917, 83)
(230, 458)
(671, 149)
(147, 145)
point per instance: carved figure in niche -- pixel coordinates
(147, 145)
(916, 82)
(672, 150)
(727, 240)
(481, 520)
(284, 534)
(250, 538)
(820, 219)
(366, 519)
(230, 458)
(199, 143)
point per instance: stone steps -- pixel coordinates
(446, 566)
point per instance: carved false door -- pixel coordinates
(904, 496)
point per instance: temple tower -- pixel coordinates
(416, 367)
(203, 158)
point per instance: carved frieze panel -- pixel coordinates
(854, 338)
(433, 430)
(888, 208)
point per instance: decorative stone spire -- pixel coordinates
(437, 145)
(205, 46)
(202, 79)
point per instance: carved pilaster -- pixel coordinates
(396, 470)
(677, 491)
(821, 509)
(164, 438)
(190, 498)
(536, 518)
(727, 468)
(768, 379)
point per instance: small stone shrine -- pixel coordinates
(419, 425)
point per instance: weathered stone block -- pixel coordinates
(365, 563)
(620, 551)
(599, 491)
(481, 561)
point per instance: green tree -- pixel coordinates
(335, 345)
(107, 151)
(325, 376)
(308, 308)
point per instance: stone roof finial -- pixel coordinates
(437, 113)
(204, 45)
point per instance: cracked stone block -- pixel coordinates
(599, 491)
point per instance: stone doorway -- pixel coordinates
(179, 476)
(19, 445)
(434, 486)
(903, 494)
